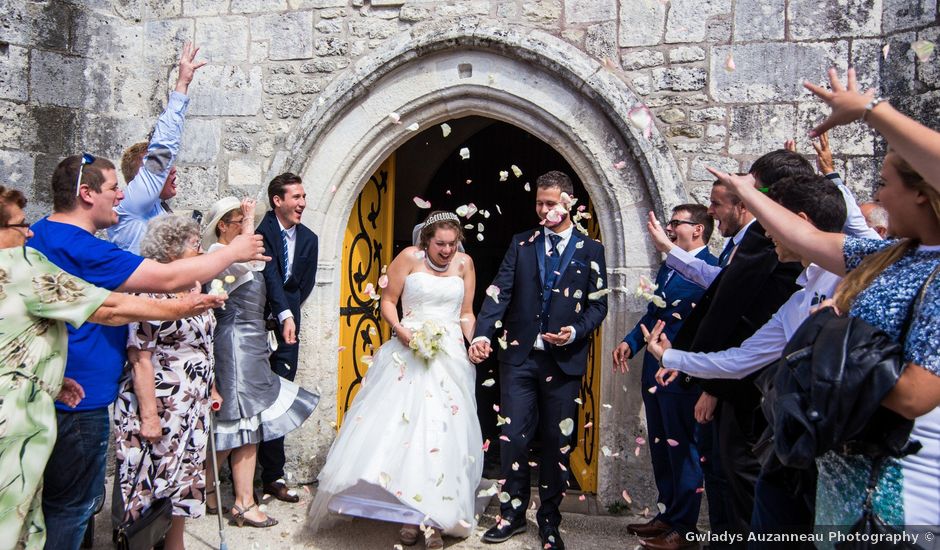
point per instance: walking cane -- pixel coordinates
(215, 469)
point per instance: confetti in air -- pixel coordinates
(729, 63)
(394, 117)
(421, 203)
(516, 171)
(923, 49)
(465, 154)
(412, 127)
(503, 175)
(493, 292)
(445, 129)
(567, 426)
(641, 118)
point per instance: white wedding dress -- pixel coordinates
(410, 448)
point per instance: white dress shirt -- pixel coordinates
(695, 269)
(765, 345)
(565, 239)
(291, 246)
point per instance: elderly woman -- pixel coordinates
(36, 300)
(258, 405)
(161, 413)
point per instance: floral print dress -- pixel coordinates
(36, 300)
(182, 360)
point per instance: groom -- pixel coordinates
(549, 305)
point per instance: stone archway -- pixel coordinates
(524, 77)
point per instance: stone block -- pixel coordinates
(929, 72)
(244, 173)
(107, 136)
(851, 139)
(305, 4)
(900, 65)
(289, 35)
(542, 11)
(373, 29)
(16, 169)
(205, 7)
(325, 46)
(39, 24)
(679, 79)
(222, 39)
(201, 139)
(758, 129)
(684, 54)
(478, 7)
(601, 40)
(693, 131)
(68, 81)
(640, 83)
(257, 6)
(197, 187)
(280, 85)
(226, 90)
(106, 38)
(589, 11)
(759, 20)
(161, 9)
(671, 115)
(286, 107)
(14, 73)
(641, 23)
(813, 20)
(866, 56)
(757, 81)
(324, 65)
(642, 58)
(697, 171)
(503, 10)
(708, 114)
(329, 26)
(676, 100)
(17, 127)
(906, 14)
(688, 19)
(715, 131)
(238, 143)
(861, 174)
(387, 2)
(165, 40)
(331, 13)
(411, 13)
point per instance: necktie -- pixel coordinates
(552, 263)
(284, 254)
(726, 253)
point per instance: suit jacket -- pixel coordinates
(739, 301)
(680, 294)
(290, 294)
(520, 279)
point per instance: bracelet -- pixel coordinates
(871, 105)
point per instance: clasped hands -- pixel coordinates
(481, 349)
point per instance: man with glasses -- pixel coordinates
(671, 411)
(148, 167)
(85, 193)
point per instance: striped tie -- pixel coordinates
(284, 254)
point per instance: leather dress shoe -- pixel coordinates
(279, 490)
(652, 528)
(673, 540)
(505, 529)
(551, 538)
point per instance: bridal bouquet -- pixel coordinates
(426, 340)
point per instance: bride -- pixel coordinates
(410, 448)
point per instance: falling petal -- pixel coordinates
(672, 442)
(515, 466)
(504, 438)
(626, 496)
(515, 503)
(516, 171)
(599, 294)
(480, 237)
(578, 401)
(607, 405)
(421, 203)
(465, 154)
(502, 341)
(923, 49)
(412, 127)
(498, 324)
(652, 389)
(582, 498)
(527, 187)
(493, 292)
(589, 425)
(676, 315)
(564, 450)
(700, 490)
(480, 227)
(562, 466)
(486, 445)
(662, 507)
(729, 63)
(495, 407)
(885, 50)
(620, 165)
(640, 441)
(636, 452)
(503, 175)
(488, 382)
(445, 129)
(500, 210)
(394, 117)
(567, 426)
(605, 450)
(641, 118)
(674, 304)
(383, 281)
(500, 420)
(655, 440)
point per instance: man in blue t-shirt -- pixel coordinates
(85, 192)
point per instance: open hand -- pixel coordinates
(248, 248)
(737, 184)
(559, 338)
(71, 393)
(621, 353)
(248, 211)
(195, 302)
(824, 155)
(848, 105)
(658, 234)
(188, 66)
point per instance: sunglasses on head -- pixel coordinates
(86, 159)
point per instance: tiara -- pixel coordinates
(440, 217)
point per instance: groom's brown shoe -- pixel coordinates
(653, 528)
(279, 490)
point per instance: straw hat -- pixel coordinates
(218, 211)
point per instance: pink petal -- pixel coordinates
(421, 203)
(672, 442)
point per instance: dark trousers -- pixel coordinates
(736, 439)
(284, 363)
(716, 486)
(73, 482)
(536, 396)
(784, 502)
(678, 472)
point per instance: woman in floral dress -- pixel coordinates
(36, 300)
(163, 404)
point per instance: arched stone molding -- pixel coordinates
(526, 78)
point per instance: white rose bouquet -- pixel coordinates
(426, 340)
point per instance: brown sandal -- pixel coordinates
(433, 539)
(239, 519)
(408, 534)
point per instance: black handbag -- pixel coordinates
(872, 527)
(149, 528)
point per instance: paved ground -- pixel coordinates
(579, 532)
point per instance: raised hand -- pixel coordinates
(734, 182)
(621, 353)
(248, 248)
(248, 211)
(847, 103)
(71, 393)
(824, 154)
(790, 145)
(187, 67)
(658, 234)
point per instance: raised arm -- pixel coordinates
(914, 142)
(120, 309)
(819, 247)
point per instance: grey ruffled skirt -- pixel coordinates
(258, 405)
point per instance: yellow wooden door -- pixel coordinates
(584, 456)
(367, 249)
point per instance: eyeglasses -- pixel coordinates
(22, 225)
(672, 224)
(86, 159)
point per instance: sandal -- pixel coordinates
(239, 519)
(408, 535)
(433, 539)
(211, 510)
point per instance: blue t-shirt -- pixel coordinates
(96, 352)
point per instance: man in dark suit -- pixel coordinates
(551, 298)
(670, 411)
(289, 279)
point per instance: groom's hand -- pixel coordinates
(480, 350)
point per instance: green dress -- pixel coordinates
(36, 300)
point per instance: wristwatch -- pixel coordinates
(871, 105)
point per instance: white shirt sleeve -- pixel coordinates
(694, 269)
(855, 224)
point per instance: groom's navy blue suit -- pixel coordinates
(538, 387)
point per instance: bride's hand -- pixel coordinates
(403, 334)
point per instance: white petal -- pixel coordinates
(445, 129)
